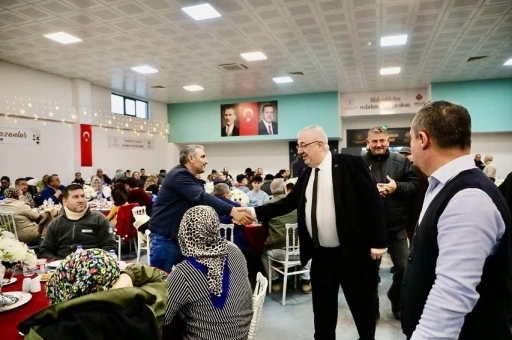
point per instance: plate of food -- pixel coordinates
(8, 282)
(45, 276)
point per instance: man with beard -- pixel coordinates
(397, 184)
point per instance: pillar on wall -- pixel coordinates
(82, 101)
(172, 156)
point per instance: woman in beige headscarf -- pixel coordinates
(152, 184)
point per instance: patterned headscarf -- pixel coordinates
(82, 273)
(199, 239)
(13, 193)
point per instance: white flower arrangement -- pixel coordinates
(240, 197)
(89, 192)
(14, 251)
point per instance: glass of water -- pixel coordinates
(28, 271)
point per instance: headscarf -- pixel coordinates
(13, 193)
(201, 242)
(151, 180)
(119, 174)
(82, 273)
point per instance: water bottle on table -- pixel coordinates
(78, 248)
(113, 253)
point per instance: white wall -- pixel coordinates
(270, 156)
(57, 150)
(499, 145)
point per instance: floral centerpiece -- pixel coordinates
(12, 253)
(240, 197)
(89, 191)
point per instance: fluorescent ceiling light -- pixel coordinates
(145, 69)
(393, 40)
(201, 12)
(508, 62)
(252, 56)
(389, 70)
(63, 38)
(193, 88)
(282, 80)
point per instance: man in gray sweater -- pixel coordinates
(78, 226)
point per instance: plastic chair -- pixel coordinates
(7, 221)
(291, 249)
(223, 229)
(257, 303)
(137, 211)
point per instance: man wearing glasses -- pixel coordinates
(341, 228)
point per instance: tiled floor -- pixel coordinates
(294, 321)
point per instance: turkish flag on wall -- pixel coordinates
(248, 119)
(86, 144)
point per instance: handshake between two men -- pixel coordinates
(243, 215)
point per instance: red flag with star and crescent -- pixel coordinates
(248, 119)
(86, 145)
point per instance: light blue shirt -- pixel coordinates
(257, 199)
(469, 230)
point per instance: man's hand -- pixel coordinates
(57, 193)
(383, 189)
(377, 253)
(242, 216)
(391, 185)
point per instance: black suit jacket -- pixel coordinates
(236, 131)
(262, 129)
(359, 212)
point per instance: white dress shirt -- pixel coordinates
(229, 130)
(269, 127)
(325, 210)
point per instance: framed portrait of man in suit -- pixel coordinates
(268, 118)
(229, 120)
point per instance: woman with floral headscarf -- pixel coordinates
(92, 297)
(210, 290)
(26, 219)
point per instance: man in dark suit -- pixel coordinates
(267, 126)
(341, 228)
(229, 128)
(181, 190)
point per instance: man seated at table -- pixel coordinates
(77, 226)
(53, 190)
(276, 240)
(222, 192)
(21, 183)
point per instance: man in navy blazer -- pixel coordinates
(181, 190)
(342, 229)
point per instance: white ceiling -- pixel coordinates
(325, 39)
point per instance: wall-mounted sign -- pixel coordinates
(379, 103)
(19, 135)
(122, 142)
(248, 119)
(397, 137)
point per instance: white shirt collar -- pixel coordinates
(453, 168)
(326, 163)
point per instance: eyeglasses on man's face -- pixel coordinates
(303, 146)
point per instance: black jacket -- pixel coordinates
(262, 128)
(359, 212)
(64, 235)
(398, 167)
(235, 132)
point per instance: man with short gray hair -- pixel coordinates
(181, 190)
(490, 168)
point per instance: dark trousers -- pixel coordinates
(357, 276)
(398, 248)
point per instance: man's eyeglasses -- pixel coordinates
(303, 146)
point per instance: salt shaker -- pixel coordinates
(26, 284)
(35, 285)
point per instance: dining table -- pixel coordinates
(10, 319)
